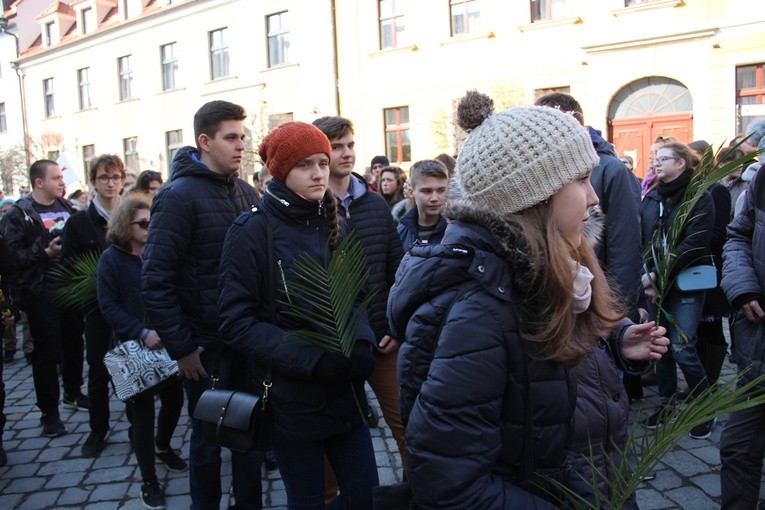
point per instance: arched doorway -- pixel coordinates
(645, 109)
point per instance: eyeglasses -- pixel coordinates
(143, 224)
(663, 159)
(103, 179)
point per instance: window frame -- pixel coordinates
(549, 8)
(88, 19)
(49, 97)
(3, 119)
(170, 63)
(171, 148)
(465, 7)
(399, 128)
(222, 51)
(132, 161)
(125, 78)
(83, 88)
(280, 38)
(758, 91)
(87, 157)
(395, 15)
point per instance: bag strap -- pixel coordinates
(270, 292)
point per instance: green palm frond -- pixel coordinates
(76, 283)
(662, 255)
(329, 296)
(647, 448)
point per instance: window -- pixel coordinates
(397, 145)
(547, 9)
(391, 23)
(173, 142)
(83, 82)
(88, 20)
(628, 3)
(278, 39)
(218, 54)
(130, 148)
(750, 84)
(465, 15)
(49, 34)
(3, 121)
(50, 107)
(126, 78)
(169, 66)
(88, 153)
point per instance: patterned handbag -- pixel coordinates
(137, 370)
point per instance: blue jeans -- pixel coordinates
(204, 458)
(686, 308)
(352, 457)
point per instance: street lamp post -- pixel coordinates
(4, 26)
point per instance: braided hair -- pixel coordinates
(333, 223)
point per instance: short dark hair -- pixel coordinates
(427, 168)
(208, 118)
(106, 161)
(334, 127)
(564, 103)
(38, 170)
(145, 178)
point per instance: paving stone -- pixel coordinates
(665, 479)
(110, 475)
(73, 496)
(108, 461)
(54, 454)
(25, 485)
(72, 465)
(684, 462)
(10, 500)
(110, 491)
(44, 499)
(21, 471)
(107, 505)
(65, 480)
(709, 483)
(691, 497)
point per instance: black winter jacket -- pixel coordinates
(189, 219)
(744, 277)
(619, 251)
(27, 239)
(84, 231)
(407, 229)
(464, 415)
(304, 408)
(369, 217)
(119, 292)
(693, 247)
(715, 303)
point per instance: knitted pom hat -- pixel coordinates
(289, 144)
(517, 158)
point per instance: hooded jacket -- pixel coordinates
(619, 193)
(27, 239)
(189, 219)
(463, 387)
(744, 277)
(304, 408)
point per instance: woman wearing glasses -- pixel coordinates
(119, 296)
(674, 164)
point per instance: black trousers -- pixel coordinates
(57, 337)
(98, 340)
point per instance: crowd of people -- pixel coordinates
(508, 313)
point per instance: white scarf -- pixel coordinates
(107, 215)
(582, 288)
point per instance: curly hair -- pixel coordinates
(120, 225)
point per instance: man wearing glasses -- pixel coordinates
(32, 228)
(85, 232)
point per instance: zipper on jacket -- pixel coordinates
(284, 280)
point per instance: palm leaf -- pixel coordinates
(75, 283)
(648, 448)
(330, 296)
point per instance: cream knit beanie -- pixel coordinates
(517, 158)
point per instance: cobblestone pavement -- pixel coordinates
(47, 473)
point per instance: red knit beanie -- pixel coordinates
(289, 144)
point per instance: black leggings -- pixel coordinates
(143, 426)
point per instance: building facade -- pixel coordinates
(125, 76)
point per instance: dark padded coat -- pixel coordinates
(369, 217)
(189, 219)
(119, 296)
(620, 249)
(304, 408)
(744, 276)
(463, 399)
(407, 229)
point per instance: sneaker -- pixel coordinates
(152, 495)
(77, 401)
(52, 426)
(93, 445)
(172, 460)
(660, 417)
(702, 431)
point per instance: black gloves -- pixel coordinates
(333, 366)
(362, 360)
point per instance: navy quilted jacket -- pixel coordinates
(189, 219)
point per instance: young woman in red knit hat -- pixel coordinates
(314, 409)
